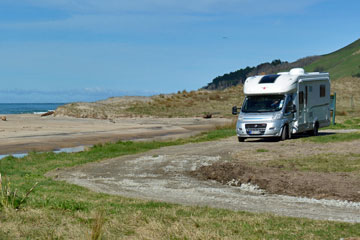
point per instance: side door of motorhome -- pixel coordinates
(302, 101)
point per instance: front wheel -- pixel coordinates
(289, 133)
(241, 139)
(284, 133)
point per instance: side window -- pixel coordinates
(289, 105)
(322, 90)
(301, 98)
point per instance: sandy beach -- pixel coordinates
(28, 132)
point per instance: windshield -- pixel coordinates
(266, 103)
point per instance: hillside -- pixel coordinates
(342, 63)
(239, 76)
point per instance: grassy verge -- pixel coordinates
(321, 163)
(338, 137)
(57, 210)
(348, 123)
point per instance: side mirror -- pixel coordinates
(235, 110)
(293, 109)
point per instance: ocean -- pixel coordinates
(33, 108)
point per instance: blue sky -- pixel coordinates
(85, 50)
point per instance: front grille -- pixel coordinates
(260, 125)
(255, 129)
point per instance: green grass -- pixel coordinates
(349, 123)
(341, 63)
(321, 163)
(261, 150)
(338, 137)
(58, 210)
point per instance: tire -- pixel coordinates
(315, 131)
(241, 139)
(284, 133)
(289, 136)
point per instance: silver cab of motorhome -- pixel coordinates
(283, 104)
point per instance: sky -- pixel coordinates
(86, 50)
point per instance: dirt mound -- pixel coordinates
(339, 186)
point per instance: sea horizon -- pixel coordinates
(28, 108)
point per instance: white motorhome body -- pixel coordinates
(282, 104)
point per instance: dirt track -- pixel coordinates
(165, 175)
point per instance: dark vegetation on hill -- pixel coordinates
(239, 76)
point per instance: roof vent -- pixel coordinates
(297, 71)
(269, 79)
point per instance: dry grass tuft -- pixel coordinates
(9, 197)
(231, 125)
(96, 231)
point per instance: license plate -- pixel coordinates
(254, 132)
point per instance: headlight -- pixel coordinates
(241, 117)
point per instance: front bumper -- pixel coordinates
(259, 129)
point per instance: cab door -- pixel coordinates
(288, 112)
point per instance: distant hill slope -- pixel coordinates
(342, 63)
(239, 76)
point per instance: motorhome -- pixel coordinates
(283, 104)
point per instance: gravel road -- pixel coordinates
(163, 175)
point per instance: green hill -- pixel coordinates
(238, 77)
(342, 63)
(343, 66)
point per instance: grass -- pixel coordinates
(261, 150)
(341, 63)
(58, 210)
(190, 104)
(98, 224)
(321, 163)
(347, 98)
(181, 104)
(339, 137)
(9, 198)
(348, 123)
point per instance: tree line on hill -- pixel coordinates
(239, 76)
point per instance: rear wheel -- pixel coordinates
(315, 131)
(241, 139)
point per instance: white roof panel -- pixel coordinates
(285, 82)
